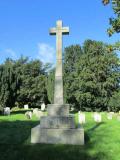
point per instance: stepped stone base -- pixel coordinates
(57, 122)
(58, 109)
(58, 127)
(57, 136)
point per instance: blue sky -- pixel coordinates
(24, 26)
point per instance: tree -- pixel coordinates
(8, 84)
(33, 84)
(114, 22)
(91, 75)
(114, 103)
(98, 75)
(22, 81)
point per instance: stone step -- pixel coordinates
(57, 122)
(58, 109)
(57, 136)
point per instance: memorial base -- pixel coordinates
(58, 127)
(57, 136)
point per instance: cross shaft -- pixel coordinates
(58, 90)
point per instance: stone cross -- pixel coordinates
(58, 90)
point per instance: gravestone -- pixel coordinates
(6, 111)
(58, 127)
(81, 117)
(112, 113)
(118, 117)
(28, 115)
(35, 110)
(42, 106)
(97, 117)
(26, 106)
(109, 116)
(38, 113)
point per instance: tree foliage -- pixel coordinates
(114, 22)
(95, 76)
(22, 81)
(91, 79)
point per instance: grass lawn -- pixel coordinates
(102, 141)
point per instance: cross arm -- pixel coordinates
(65, 30)
(52, 31)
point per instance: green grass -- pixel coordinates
(102, 141)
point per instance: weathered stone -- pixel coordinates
(81, 118)
(118, 117)
(58, 126)
(57, 109)
(38, 113)
(57, 136)
(58, 90)
(97, 117)
(109, 116)
(26, 106)
(42, 106)
(35, 110)
(6, 111)
(57, 122)
(28, 114)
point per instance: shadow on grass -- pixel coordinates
(15, 145)
(96, 126)
(20, 112)
(90, 131)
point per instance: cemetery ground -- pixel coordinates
(102, 140)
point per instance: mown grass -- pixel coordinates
(102, 141)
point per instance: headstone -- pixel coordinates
(112, 113)
(109, 116)
(35, 110)
(39, 114)
(58, 127)
(26, 106)
(28, 115)
(81, 118)
(42, 106)
(97, 117)
(118, 117)
(119, 112)
(6, 111)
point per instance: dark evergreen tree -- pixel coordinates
(98, 75)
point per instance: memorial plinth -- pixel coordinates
(58, 127)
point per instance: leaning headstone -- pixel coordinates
(6, 111)
(97, 117)
(109, 116)
(39, 114)
(35, 110)
(28, 114)
(81, 118)
(26, 106)
(42, 106)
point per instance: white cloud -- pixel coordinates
(46, 53)
(10, 53)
